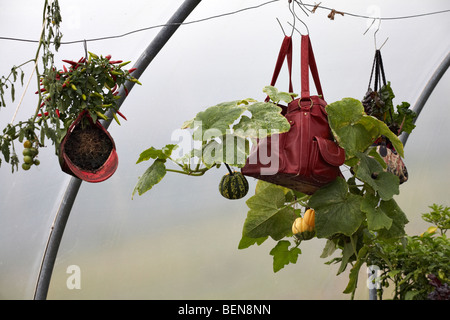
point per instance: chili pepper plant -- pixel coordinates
(89, 84)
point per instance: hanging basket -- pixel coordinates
(88, 151)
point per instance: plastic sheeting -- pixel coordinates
(179, 240)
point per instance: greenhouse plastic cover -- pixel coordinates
(180, 239)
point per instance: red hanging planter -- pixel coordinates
(88, 151)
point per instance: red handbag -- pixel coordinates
(306, 157)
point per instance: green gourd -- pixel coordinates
(233, 186)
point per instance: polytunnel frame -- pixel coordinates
(68, 199)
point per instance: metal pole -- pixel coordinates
(68, 199)
(420, 103)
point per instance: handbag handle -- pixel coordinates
(285, 53)
(308, 61)
(378, 69)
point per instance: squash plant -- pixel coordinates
(221, 135)
(350, 212)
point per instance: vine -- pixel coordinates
(351, 213)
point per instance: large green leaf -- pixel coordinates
(229, 149)
(246, 242)
(151, 176)
(399, 219)
(353, 138)
(345, 112)
(337, 210)
(215, 120)
(268, 214)
(265, 120)
(370, 171)
(376, 218)
(152, 153)
(378, 128)
(282, 255)
(354, 130)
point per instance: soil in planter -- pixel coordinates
(88, 147)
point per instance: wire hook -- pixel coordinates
(375, 33)
(295, 16)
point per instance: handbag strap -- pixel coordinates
(308, 61)
(378, 70)
(285, 53)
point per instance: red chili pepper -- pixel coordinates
(57, 112)
(126, 90)
(108, 57)
(45, 114)
(73, 63)
(42, 104)
(65, 69)
(120, 114)
(114, 88)
(131, 70)
(42, 90)
(116, 61)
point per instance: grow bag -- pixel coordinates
(88, 151)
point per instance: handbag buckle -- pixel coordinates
(300, 100)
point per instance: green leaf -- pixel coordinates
(247, 242)
(376, 218)
(348, 251)
(329, 249)
(399, 220)
(266, 119)
(354, 138)
(153, 153)
(354, 130)
(386, 95)
(283, 256)
(411, 294)
(277, 96)
(345, 112)
(215, 120)
(344, 117)
(151, 176)
(337, 210)
(354, 272)
(405, 117)
(268, 214)
(230, 149)
(378, 128)
(370, 171)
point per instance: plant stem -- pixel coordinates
(190, 173)
(353, 245)
(229, 169)
(38, 75)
